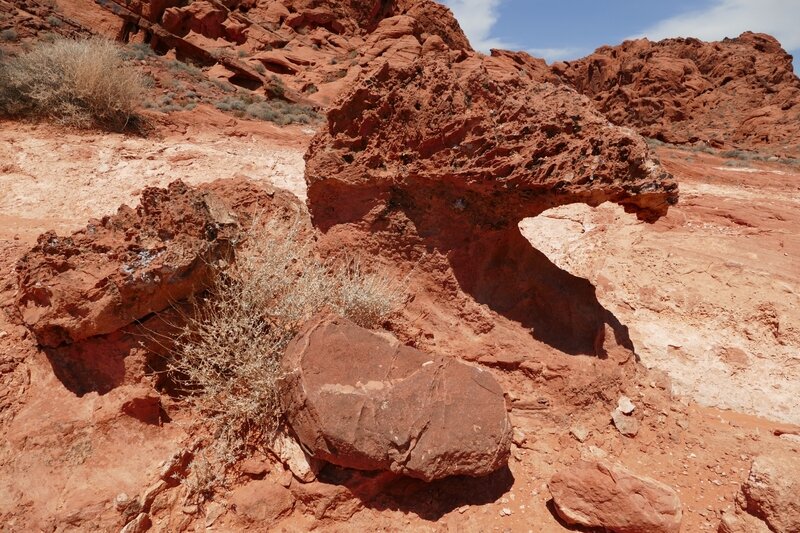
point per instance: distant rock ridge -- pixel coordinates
(312, 48)
(734, 93)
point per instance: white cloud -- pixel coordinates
(729, 18)
(477, 18)
(558, 54)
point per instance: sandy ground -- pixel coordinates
(54, 179)
(711, 293)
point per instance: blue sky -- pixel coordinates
(568, 29)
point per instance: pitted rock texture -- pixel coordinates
(772, 491)
(123, 267)
(495, 143)
(601, 494)
(736, 92)
(448, 153)
(360, 399)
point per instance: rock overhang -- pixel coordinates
(498, 145)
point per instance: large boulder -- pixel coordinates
(362, 400)
(600, 494)
(139, 261)
(481, 138)
(123, 267)
(772, 491)
(738, 521)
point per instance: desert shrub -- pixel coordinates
(277, 86)
(9, 34)
(231, 103)
(282, 113)
(227, 356)
(54, 21)
(259, 67)
(278, 111)
(179, 66)
(224, 86)
(702, 148)
(79, 83)
(138, 51)
(170, 108)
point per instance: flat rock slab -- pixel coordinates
(605, 495)
(360, 399)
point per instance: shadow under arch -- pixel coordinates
(502, 270)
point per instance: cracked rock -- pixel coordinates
(360, 399)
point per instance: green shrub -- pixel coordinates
(277, 111)
(80, 83)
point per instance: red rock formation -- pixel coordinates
(123, 267)
(313, 47)
(449, 152)
(604, 495)
(359, 399)
(139, 261)
(771, 491)
(494, 145)
(736, 92)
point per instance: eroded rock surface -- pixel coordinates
(492, 145)
(605, 495)
(771, 491)
(735, 92)
(360, 399)
(446, 155)
(123, 267)
(297, 50)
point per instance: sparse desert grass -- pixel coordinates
(278, 111)
(281, 113)
(277, 87)
(180, 66)
(9, 34)
(80, 83)
(227, 356)
(138, 51)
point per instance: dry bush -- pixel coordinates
(228, 354)
(80, 83)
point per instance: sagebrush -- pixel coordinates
(83, 83)
(228, 354)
